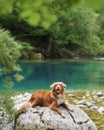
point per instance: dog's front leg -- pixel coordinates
(54, 107)
(67, 107)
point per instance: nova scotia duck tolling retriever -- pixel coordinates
(51, 99)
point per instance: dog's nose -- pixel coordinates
(58, 87)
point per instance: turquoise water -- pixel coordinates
(77, 74)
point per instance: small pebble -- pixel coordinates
(101, 110)
(99, 94)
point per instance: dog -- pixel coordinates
(51, 99)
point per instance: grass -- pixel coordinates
(93, 114)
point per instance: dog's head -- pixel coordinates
(58, 87)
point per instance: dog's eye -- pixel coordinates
(55, 85)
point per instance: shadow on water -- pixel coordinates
(77, 74)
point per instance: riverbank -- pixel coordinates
(92, 102)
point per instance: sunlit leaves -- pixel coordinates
(6, 6)
(101, 32)
(8, 82)
(35, 12)
(9, 48)
(18, 77)
(39, 12)
(94, 4)
(9, 54)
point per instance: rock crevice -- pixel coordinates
(44, 119)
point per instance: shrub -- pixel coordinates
(10, 51)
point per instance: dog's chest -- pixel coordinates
(60, 100)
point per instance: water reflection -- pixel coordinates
(76, 74)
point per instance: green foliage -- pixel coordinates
(27, 51)
(59, 5)
(94, 4)
(27, 46)
(101, 31)
(8, 82)
(7, 103)
(9, 54)
(78, 27)
(34, 12)
(83, 30)
(9, 49)
(74, 28)
(38, 12)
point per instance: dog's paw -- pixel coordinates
(72, 110)
(63, 115)
(37, 107)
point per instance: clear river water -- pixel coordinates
(76, 74)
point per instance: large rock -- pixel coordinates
(43, 118)
(4, 121)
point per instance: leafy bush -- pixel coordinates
(6, 103)
(78, 27)
(9, 54)
(10, 51)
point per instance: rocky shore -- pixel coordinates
(91, 102)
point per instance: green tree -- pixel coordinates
(10, 51)
(9, 54)
(34, 12)
(77, 28)
(101, 31)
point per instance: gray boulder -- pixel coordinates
(9, 126)
(44, 118)
(4, 121)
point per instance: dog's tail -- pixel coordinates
(20, 111)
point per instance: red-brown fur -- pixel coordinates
(52, 98)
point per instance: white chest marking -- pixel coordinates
(60, 100)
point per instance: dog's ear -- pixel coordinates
(64, 85)
(52, 86)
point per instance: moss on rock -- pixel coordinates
(88, 96)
